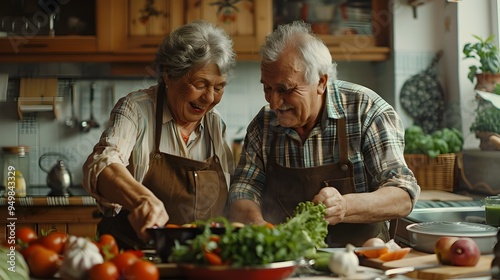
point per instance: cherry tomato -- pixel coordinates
(107, 244)
(137, 253)
(213, 258)
(105, 270)
(142, 269)
(43, 263)
(123, 260)
(54, 241)
(25, 235)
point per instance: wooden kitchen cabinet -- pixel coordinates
(73, 220)
(350, 34)
(81, 29)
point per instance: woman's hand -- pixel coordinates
(336, 204)
(148, 213)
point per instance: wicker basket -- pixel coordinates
(433, 173)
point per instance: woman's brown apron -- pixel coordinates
(190, 190)
(286, 187)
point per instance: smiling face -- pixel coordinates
(193, 95)
(297, 104)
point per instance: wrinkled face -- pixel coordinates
(296, 103)
(196, 93)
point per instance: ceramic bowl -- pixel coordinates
(423, 236)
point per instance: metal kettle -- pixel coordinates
(59, 176)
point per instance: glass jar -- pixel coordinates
(15, 170)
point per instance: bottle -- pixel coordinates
(15, 168)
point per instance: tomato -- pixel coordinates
(137, 253)
(123, 260)
(54, 241)
(107, 245)
(105, 270)
(143, 270)
(43, 263)
(30, 249)
(25, 235)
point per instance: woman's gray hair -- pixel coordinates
(315, 54)
(195, 44)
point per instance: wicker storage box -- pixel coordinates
(433, 173)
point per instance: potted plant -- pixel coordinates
(488, 56)
(486, 126)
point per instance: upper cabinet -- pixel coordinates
(352, 29)
(131, 30)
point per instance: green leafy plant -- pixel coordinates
(446, 140)
(486, 53)
(487, 119)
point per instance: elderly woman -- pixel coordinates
(164, 156)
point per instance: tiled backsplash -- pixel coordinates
(243, 98)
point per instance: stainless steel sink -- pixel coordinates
(471, 214)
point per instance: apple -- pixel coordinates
(464, 252)
(442, 248)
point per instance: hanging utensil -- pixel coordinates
(86, 125)
(71, 121)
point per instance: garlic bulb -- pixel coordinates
(80, 254)
(344, 263)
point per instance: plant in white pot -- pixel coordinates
(487, 73)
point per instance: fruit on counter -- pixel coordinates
(43, 263)
(394, 254)
(442, 248)
(124, 260)
(80, 254)
(142, 269)
(464, 252)
(107, 246)
(344, 263)
(13, 266)
(53, 240)
(106, 270)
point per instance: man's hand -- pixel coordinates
(336, 204)
(148, 213)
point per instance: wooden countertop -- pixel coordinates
(40, 196)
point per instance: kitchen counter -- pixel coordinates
(40, 196)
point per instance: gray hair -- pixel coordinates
(315, 54)
(195, 44)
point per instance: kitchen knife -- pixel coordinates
(406, 269)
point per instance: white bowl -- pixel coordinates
(423, 236)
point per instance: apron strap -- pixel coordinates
(342, 138)
(160, 96)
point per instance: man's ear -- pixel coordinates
(323, 80)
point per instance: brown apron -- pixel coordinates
(286, 187)
(190, 189)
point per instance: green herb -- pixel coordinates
(257, 245)
(439, 142)
(486, 53)
(487, 119)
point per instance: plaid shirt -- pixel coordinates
(375, 141)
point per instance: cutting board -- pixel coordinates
(415, 258)
(438, 195)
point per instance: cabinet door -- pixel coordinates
(352, 30)
(50, 27)
(246, 21)
(139, 26)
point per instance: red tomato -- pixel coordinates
(143, 270)
(25, 235)
(107, 244)
(43, 263)
(123, 260)
(137, 253)
(30, 249)
(54, 241)
(213, 258)
(105, 270)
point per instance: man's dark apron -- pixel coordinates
(190, 190)
(286, 187)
